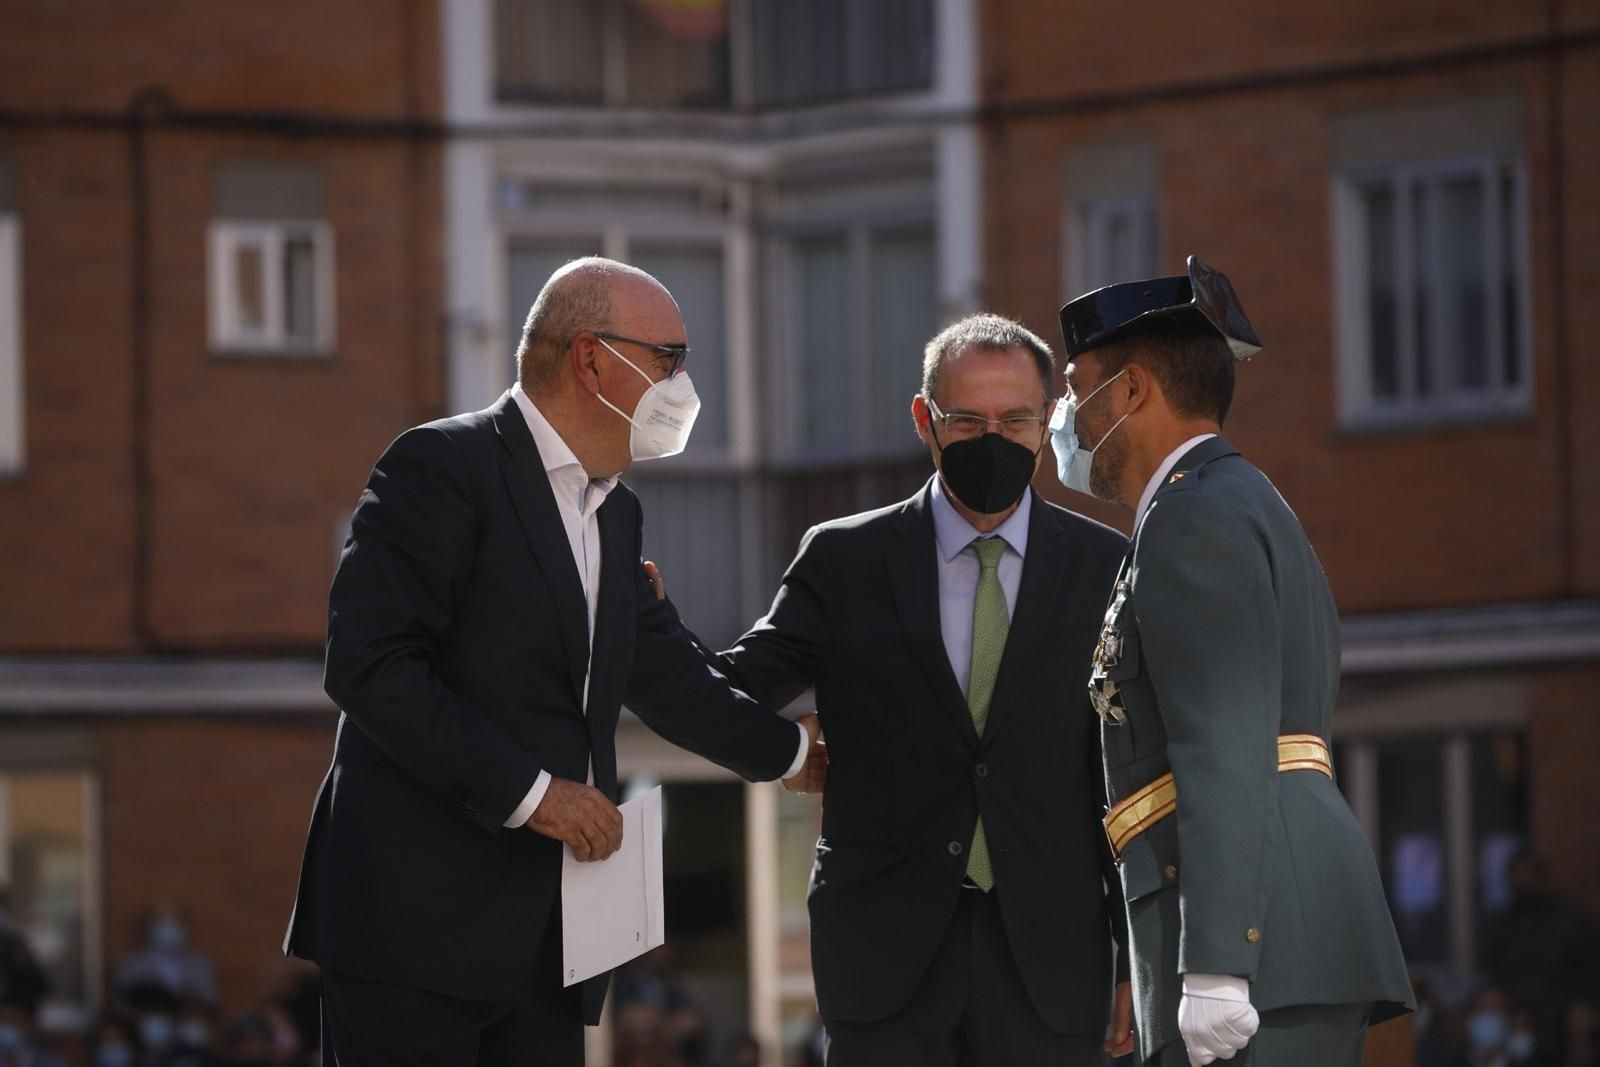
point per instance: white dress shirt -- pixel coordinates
(1161, 476)
(578, 499)
(959, 570)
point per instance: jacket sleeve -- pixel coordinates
(404, 567)
(1208, 621)
(676, 689)
(778, 658)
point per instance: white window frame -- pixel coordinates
(1089, 219)
(1359, 408)
(13, 411)
(228, 334)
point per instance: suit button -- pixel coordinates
(981, 770)
(1170, 871)
(954, 848)
(1253, 935)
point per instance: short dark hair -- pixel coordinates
(1195, 369)
(993, 333)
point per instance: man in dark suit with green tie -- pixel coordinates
(1257, 920)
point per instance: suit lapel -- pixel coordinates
(914, 576)
(535, 504)
(616, 608)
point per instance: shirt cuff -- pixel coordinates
(1217, 987)
(800, 757)
(530, 803)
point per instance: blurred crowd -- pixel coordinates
(163, 1012)
(1537, 1003)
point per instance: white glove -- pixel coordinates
(1215, 1017)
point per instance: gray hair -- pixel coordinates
(993, 333)
(576, 298)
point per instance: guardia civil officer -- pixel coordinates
(1257, 921)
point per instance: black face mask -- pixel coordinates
(989, 473)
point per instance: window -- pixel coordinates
(46, 864)
(12, 409)
(1432, 265)
(853, 297)
(1116, 242)
(1438, 290)
(640, 53)
(832, 49)
(1112, 226)
(864, 302)
(271, 263)
(677, 54)
(1448, 813)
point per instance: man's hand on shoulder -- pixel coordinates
(580, 816)
(813, 773)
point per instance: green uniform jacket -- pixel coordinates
(1221, 636)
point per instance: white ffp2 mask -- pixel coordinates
(662, 418)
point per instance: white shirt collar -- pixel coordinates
(556, 455)
(1161, 475)
(953, 532)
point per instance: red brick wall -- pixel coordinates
(254, 461)
(1563, 742)
(210, 814)
(353, 58)
(1044, 48)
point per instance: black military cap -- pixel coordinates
(1203, 299)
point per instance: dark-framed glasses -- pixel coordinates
(964, 424)
(676, 353)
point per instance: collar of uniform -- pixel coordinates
(1161, 475)
(558, 458)
(954, 533)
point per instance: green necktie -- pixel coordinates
(990, 623)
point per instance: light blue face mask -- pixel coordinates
(1073, 463)
(1487, 1031)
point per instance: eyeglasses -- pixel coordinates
(961, 424)
(676, 353)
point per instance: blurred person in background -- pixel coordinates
(1544, 953)
(193, 1044)
(489, 616)
(167, 961)
(249, 1041)
(19, 1037)
(22, 980)
(1498, 1034)
(651, 979)
(114, 1043)
(154, 1010)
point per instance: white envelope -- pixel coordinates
(612, 910)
